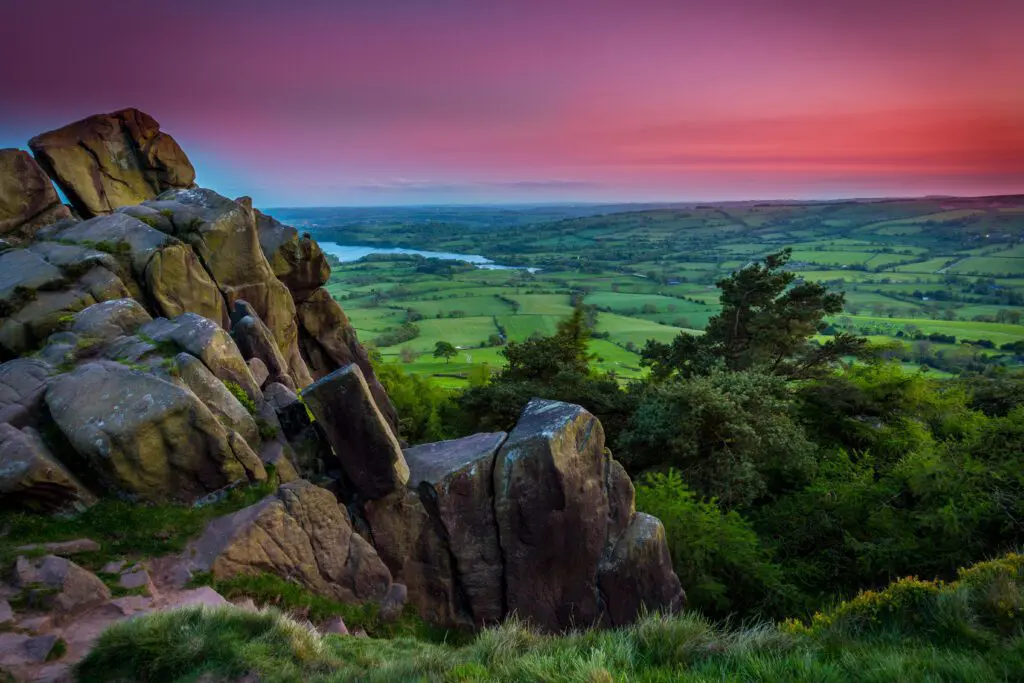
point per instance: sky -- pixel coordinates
(377, 102)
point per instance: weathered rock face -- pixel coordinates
(223, 233)
(297, 262)
(221, 402)
(301, 533)
(637, 575)
(329, 342)
(27, 198)
(112, 160)
(256, 341)
(145, 437)
(44, 283)
(455, 478)
(208, 342)
(361, 437)
(22, 385)
(411, 545)
(32, 479)
(161, 269)
(551, 505)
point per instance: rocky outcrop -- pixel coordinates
(301, 533)
(144, 437)
(362, 439)
(27, 198)
(163, 271)
(223, 233)
(112, 160)
(170, 332)
(296, 261)
(539, 522)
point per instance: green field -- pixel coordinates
(951, 267)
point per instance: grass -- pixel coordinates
(968, 630)
(124, 529)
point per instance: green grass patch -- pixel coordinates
(124, 529)
(915, 631)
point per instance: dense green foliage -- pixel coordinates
(969, 630)
(784, 477)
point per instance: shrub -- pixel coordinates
(718, 557)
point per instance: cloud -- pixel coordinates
(440, 187)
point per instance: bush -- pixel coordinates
(729, 433)
(717, 555)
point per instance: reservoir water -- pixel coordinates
(346, 252)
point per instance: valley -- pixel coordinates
(941, 280)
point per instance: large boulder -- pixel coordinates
(109, 320)
(551, 505)
(208, 342)
(357, 431)
(27, 198)
(32, 479)
(329, 342)
(144, 437)
(222, 403)
(455, 479)
(297, 261)
(637, 575)
(112, 160)
(301, 534)
(223, 233)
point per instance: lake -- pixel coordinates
(347, 252)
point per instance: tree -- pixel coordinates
(766, 321)
(443, 349)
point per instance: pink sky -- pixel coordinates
(389, 101)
